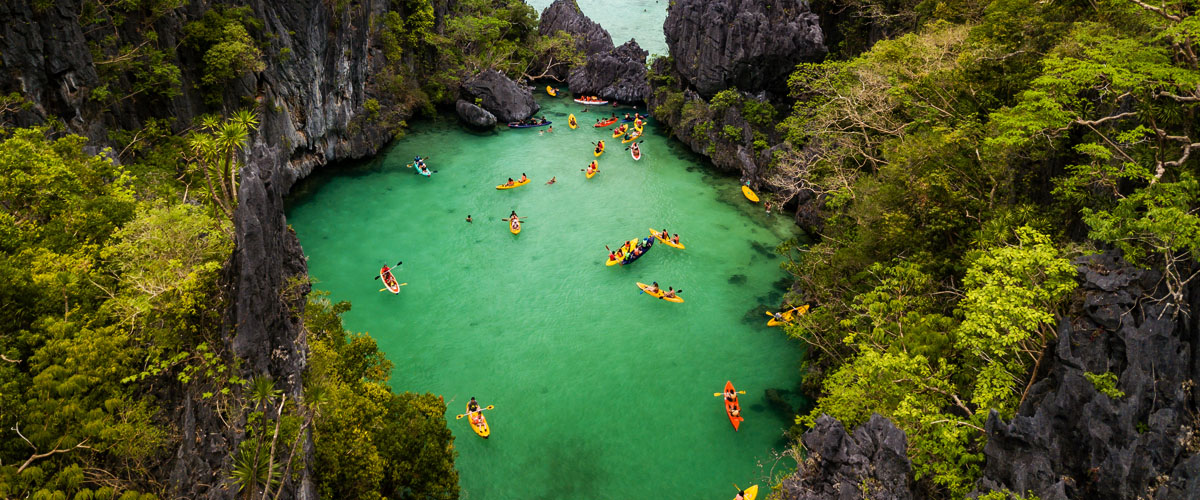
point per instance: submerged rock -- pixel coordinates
(473, 115)
(839, 464)
(617, 75)
(501, 96)
(749, 44)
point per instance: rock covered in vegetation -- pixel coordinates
(501, 96)
(564, 15)
(1134, 435)
(616, 75)
(749, 44)
(839, 465)
(473, 115)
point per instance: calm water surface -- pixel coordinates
(600, 392)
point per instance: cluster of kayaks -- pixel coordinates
(530, 125)
(630, 251)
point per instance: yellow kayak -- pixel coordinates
(632, 137)
(659, 294)
(665, 242)
(571, 121)
(551, 91)
(621, 253)
(620, 131)
(518, 184)
(749, 194)
(751, 493)
(599, 148)
(482, 429)
(514, 225)
(592, 169)
(787, 316)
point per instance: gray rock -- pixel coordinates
(840, 465)
(564, 15)
(749, 44)
(616, 75)
(474, 116)
(501, 96)
(1068, 440)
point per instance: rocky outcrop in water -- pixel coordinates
(473, 115)
(616, 75)
(590, 37)
(749, 44)
(870, 463)
(1069, 440)
(500, 96)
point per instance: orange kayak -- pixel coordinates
(605, 123)
(732, 405)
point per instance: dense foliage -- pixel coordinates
(113, 305)
(958, 168)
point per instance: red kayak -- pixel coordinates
(605, 123)
(732, 405)
(389, 280)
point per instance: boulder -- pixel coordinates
(474, 116)
(839, 463)
(501, 96)
(749, 44)
(616, 75)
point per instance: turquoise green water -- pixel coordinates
(624, 19)
(600, 392)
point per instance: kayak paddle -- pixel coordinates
(397, 265)
(489, 407)
(722, 394)
(402, 284)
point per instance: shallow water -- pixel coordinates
(600, 391)
(641, 20)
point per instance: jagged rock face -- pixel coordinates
(1069, 440)
(564, 15)
(501, 96)
(749, 44)
(616, 75)
(839, 463)
(474, 116)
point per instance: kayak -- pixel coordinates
(632, 257)
(482, 429)
(599, 148)
(517, 184)
(732, 405)
(426, 172)
(528, 125)
(620, 131)
(551, 91)
(514, 225)
(389, 280)
(751, 493)
(592, 169)
(605, 123)
(571, 121)
(749, 194)
(620, 253)
(632, 137)
(635, 152)
(590, 103)
(787, 316)
(665, 241)
(658, 294)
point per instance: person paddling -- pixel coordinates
(675, 239)
(653, 288)
(468, 217)
(510, 182)
(670, 293)
(523, 178)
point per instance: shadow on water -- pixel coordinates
(576, 459)
(764, 250)
(737, 279)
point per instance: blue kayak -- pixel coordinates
(646, 244)
(426, 172)
(528, 125)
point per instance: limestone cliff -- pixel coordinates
(319, 59)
